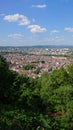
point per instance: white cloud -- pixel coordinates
(16, 35)
(19, 18)
(36, 29)
(40, 6)
(69, 29)
(54, 31)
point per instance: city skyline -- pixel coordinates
(30, 23)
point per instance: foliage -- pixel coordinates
(37, 71)
(43, 62)
(29, 67)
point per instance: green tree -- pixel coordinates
(29, 67)
(70, 73)
(6, 80)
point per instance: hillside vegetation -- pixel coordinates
(45, 103)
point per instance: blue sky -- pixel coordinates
(36, 22)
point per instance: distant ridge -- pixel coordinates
(52, 46)
(39, 46)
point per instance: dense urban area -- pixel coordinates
(34, 61)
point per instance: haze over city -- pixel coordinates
(34, 22)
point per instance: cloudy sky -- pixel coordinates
(36, 22)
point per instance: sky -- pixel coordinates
(36, 22)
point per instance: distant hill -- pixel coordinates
(39, 46)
